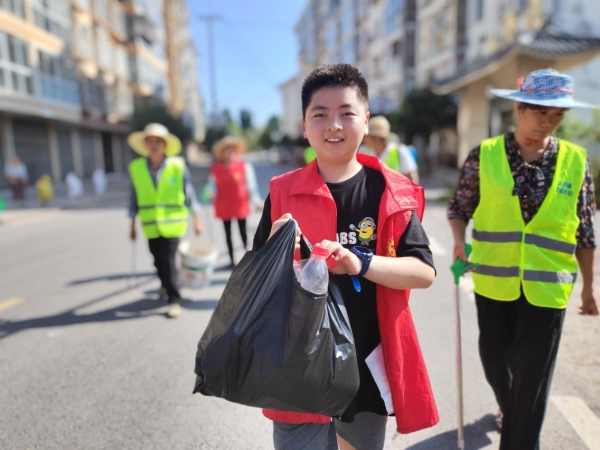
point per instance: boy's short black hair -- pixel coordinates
(334, 75)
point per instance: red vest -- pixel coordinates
(231, 199)
(304, 194)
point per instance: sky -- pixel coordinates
(255, 51)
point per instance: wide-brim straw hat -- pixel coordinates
(379, 126)
(136, 140)
(228, 141)
(545, 87)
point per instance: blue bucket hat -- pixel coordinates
(545, 87)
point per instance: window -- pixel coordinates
(348, 52)
(331, 38)
(104, 48)
(397, 48)
(17, 7)
(519, 5)
(392, 15)
(54, 17)
(478, 10)
(348, 23)
(15, 73)
(83, 41)
(57, 78)
(101, 10)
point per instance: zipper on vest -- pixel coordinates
(396, 434)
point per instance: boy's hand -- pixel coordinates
(348, 262)
(281, 222)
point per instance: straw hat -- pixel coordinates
(545, 87)
(379, 127)
(228, 141)
(137, 138)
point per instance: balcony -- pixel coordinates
(58, 89)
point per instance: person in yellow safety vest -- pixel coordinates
(394, 154)
(309, 154)
(531, 197)
(161, 194)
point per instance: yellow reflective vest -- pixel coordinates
(309, 154)
(392, 160)
(161, 208)
(538, 256)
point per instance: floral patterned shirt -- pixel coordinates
(532, 181)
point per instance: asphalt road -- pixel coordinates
(89, 362)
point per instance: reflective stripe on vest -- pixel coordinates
(537, 256)
(161, 208)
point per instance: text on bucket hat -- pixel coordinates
(379, 126)
(136, 140)
(545, 87)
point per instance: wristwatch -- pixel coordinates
(365, 254)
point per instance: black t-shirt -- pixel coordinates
(357, 202)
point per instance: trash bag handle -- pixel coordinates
(305, 248)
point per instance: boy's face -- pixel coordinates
(335, 124)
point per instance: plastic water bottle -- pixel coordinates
(315, 275)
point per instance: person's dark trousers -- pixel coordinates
(242, 227)
(518, 344)
(18, 189)
(164, 251)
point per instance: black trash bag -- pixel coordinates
(272, 344)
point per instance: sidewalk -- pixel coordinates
(15, 212)
(440, 183)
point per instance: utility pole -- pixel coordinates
(209, 19)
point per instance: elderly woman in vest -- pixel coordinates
(531, 198)
(161, 194)
(232, 183)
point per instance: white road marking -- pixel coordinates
(436, 248)
(10, 303)
(585, 423)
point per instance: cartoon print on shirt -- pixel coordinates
(366, 230)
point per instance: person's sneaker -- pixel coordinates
(173, 310)
(162, 294)
(498, 420)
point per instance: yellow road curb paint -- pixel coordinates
(585, 423)
(10, 303)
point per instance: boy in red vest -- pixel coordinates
(368, 216)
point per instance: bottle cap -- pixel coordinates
(320, 251)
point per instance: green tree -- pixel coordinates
(584, 133)
(422, 113)
(265, 140)
(159, 113)
(579, 131)
(245, 120)
(213, 134)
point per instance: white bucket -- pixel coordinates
(198, 258)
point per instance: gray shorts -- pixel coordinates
(367, 432)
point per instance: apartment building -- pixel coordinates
(71, 74)
(379, 37)
(507, 39)
(183, 58)
(459, 47)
